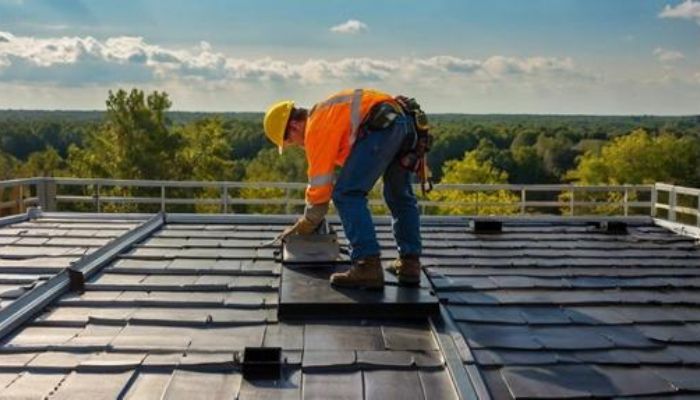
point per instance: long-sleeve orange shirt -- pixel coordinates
(331, 130)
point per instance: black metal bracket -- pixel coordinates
(488, 226)
(262, 363)
(76, 280)
(613, 227)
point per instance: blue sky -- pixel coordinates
(495, 56)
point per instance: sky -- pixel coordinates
(465, 56)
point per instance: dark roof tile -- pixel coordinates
(554, 382)
(499, 336)
(340, 386)
(347, 336)
(437, 385)
(190, 385)
(408, 337)
(325, 360)
(386, 384)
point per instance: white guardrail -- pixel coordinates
(675, 203)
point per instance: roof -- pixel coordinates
(30, 252)
(171, 316)
(547, 308)
(564, 310)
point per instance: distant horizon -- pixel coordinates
(430, 113)
(540, 57)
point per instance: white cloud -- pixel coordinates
(668, 56)
(61, 72)
(351, 26)
(83, 60)
(689, 9)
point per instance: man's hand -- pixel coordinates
(303, 226)
(307, 224)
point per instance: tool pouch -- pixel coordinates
(410, 158)
(381, 116)
(414, 159)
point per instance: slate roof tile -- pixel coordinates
(548, 309)
(338, 386)
(575, 314)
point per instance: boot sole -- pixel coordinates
(409, 282)
(357, 286)
(404, 280)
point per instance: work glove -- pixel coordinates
(303, 226)
(309, 222)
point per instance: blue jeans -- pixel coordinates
(373, 156)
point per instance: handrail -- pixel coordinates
(678, 204)
(101, 195)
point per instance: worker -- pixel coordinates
(363, 132)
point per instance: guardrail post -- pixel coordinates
(98, 201)
(224, 198)
(523, 199)
(625, 203)
(46, 192)
(287, 206)
(654, 200)
(162, 198)
(20, 199)
(697, 215)
(672, 200)
(571, 201)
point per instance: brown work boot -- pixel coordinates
(407, 269)
(365, 273)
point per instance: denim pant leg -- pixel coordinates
(369, 158)
(405, 215)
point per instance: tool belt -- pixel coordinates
(382, 116)
(415, 159)
(413, 155)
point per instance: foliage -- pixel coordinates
(269, 166)
(641, 158)
(471, 170)
(43, 163)
(637, 158)
(137, 136)
(8, 164)
(135, 141)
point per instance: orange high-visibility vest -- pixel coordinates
(331, 130)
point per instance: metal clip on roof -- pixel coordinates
(262, 363)
(486, 226)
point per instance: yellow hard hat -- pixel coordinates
(275, 122)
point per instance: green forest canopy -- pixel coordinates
(139, 137)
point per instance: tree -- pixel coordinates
(204, 156)
(528, 167)
(557, 153)
(134, 142)
(471, 170)
(205, 152)
(450, 143)
(43, 163)
(8, 164)
(639, 158)
(270, 166)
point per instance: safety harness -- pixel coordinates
(416, 158)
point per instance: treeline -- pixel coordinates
(138, 137)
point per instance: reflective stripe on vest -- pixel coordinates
(321, 180)
(344, 98)
(355, 115)
(355, 100)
